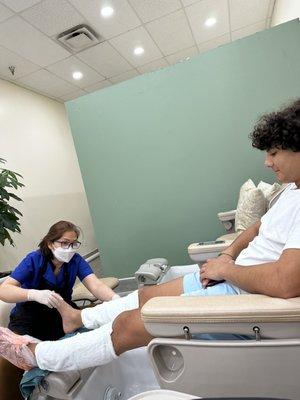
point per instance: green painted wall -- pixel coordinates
(161, 154)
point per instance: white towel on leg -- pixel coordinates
(84, 350)
(93, 317)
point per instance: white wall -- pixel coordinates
(36, 141)
(285, 10)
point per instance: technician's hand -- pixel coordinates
(46, 297)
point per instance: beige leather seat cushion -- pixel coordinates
(80, 292)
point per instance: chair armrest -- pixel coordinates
(81, 293)
(166, 316)
(227, 219)
(201, 252)
(226, 215)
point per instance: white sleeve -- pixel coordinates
(293, 239)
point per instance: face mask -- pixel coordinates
(63, 255)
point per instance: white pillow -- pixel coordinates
(248, 185)
(252, 205)
(269, 190)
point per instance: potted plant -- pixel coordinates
(9, 215)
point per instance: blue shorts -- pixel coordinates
(193, 287)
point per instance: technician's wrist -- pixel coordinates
(31, 294)
(115, 296)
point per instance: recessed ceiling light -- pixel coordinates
(107, 12)
(138, 51)
(210, 22)
(77, 75)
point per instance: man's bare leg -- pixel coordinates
(101, 314)
(135, 334)
(171, 288)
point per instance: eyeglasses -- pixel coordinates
(67, 245)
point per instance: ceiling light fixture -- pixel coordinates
(210, 22)
(77, 75)
(138, 51)
(107, 12)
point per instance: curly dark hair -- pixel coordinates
(278, 130)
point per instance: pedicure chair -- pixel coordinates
(262, 364)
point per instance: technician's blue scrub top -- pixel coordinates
(28, 271)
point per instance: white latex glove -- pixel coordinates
(47, 297)
(115, 296)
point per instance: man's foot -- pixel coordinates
(15, 349)
(70, 316)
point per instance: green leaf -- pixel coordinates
(14, 196)
(14, 210)
(14, 174)
(4, 194)
(4, 235)
(9, 221)
(9, 215)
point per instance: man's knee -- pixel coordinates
(125, 331)
(145, 294)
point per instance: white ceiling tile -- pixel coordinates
(53, 16)
(126, 43)
(73, 95)
(214, 43)
(19, 36)
(5, 13)
(182, 55)
(19, 5)
(124, 77)
(123, 19)
(97, 86)
(198, 13)
(105, 59)
(171, 33)
(153, 66)
(47, 83)
(243, 13)
(150, 10)
(65, 68)
(248, 30)
(22, 66)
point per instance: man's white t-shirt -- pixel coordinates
(279, 230)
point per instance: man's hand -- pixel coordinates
(213, 269)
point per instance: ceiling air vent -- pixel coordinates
(78, 38)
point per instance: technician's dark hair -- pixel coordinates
(278, 130)
(56, 231)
